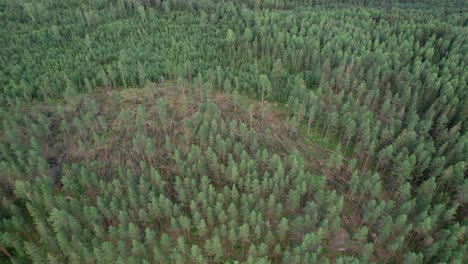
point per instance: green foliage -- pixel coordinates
(365, 163)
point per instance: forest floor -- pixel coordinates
(260, 116)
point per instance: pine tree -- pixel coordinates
(265, 85)
(283, 229)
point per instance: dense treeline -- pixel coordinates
(186, 174)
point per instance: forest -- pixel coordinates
(243, 131)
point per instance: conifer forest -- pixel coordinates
(243, 131)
